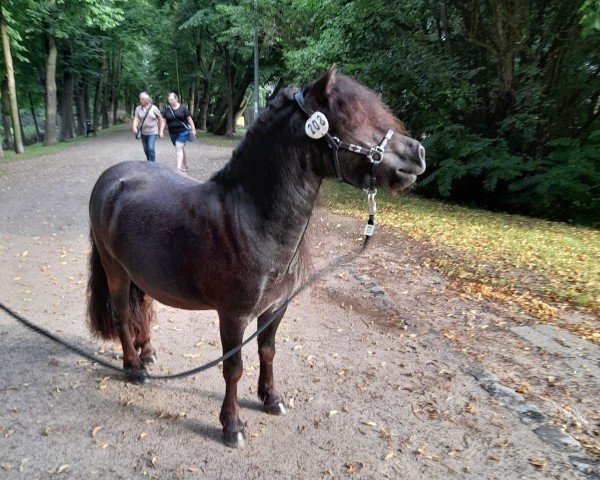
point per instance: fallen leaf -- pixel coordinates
(538, 462)
(369, 423)
(58, 470)
(523, 388)
(190, 355)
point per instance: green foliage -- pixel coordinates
(458, 154)
(565, 184)
(590, 16)
(505, 95)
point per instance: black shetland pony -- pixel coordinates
(235, 243)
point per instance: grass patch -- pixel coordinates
(219, 140)
(37, 149)
(524, 256)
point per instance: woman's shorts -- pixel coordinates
(180, 137)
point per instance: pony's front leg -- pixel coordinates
(232, 335)
(273, 402)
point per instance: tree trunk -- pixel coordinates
(230, 80)
(106, 91)
(446, 28)
(35, 122)
(203, 107)
(241, 108)
(192, 97)
(506, 31)
(80, 107)
(220, 123)
(117, 84)
(50, 100)
(97, 95)
(86, 100)
(12, 89)
(6, 116)
(66, 124)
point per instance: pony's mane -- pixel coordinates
(258, 140)
(353, 104)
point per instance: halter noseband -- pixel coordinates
(374, 154)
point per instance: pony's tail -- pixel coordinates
(100, 308)
(99, 304)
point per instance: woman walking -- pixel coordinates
(146, 121)
(181, 126)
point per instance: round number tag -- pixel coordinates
(316, 126)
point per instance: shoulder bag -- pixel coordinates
(139, 132)
(192, 137)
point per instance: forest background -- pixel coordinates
(504, 94)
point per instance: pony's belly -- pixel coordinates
(177, 301)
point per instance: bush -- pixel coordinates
(564, 185)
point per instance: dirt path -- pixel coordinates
(368, 397)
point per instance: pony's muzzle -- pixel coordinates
(414, 156)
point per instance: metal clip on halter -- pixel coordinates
(370, 226)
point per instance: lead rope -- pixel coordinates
(83, 353)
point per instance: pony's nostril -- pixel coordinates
(421, 153)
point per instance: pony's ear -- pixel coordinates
(322, 87)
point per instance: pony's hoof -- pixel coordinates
(275, 409)
(149, 359)
(234, 439)
(136, 375)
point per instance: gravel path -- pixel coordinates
(376, 382)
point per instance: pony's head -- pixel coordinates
(359, 123)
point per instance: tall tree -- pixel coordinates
(12, 89)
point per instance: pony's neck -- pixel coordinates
(273, 169)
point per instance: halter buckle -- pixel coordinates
(375, 154)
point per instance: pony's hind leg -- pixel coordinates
(273, 402)
(142, 340)
(124, 301)
(232, 335)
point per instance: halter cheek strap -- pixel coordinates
(374, 154)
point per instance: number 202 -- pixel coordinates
(316, 125)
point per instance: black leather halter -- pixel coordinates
(374, 154)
